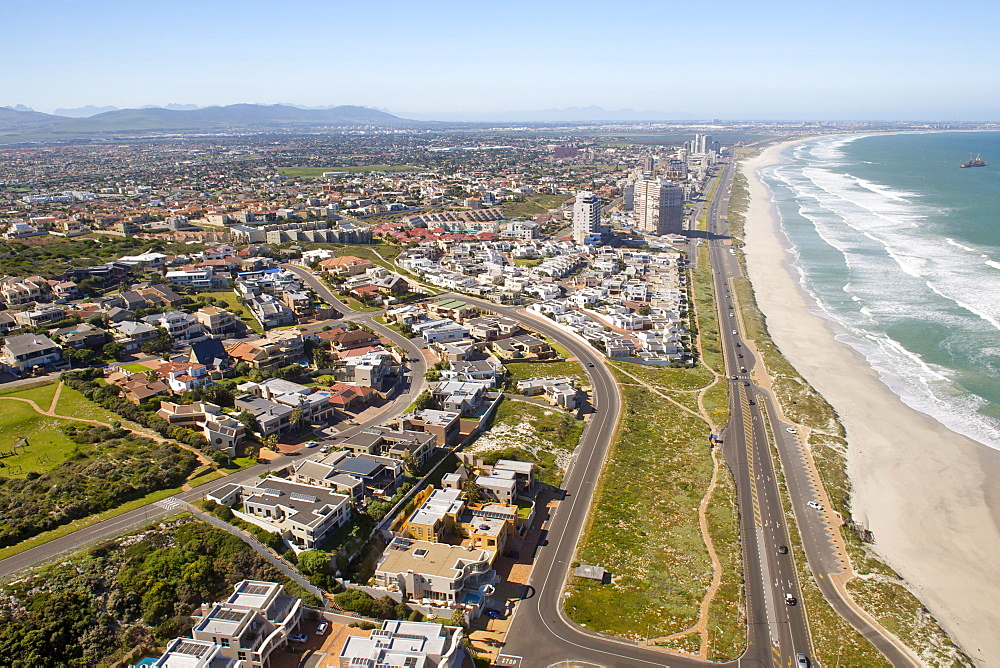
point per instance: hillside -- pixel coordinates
(30, 125)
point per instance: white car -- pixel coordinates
(815, 504)
(321, 628)
(791, 430)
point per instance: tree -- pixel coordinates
(296, 418)
(424, 401)
(270, 441)
(473, 492)
(411, 465)
(113, 350)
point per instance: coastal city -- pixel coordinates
(265, 404)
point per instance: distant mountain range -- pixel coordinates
(565, 115)
(25, 125)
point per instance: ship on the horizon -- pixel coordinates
(975, 162)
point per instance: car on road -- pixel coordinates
(310, 444)
(815, 504)
(751, 402)
(789, 599)
(801, 660)
(740, 355)
(590, 364)
(322, 627)
(791, 430)
(298, 637)
(732, 315)
(734, 331)
(746, 383)
(782, 549)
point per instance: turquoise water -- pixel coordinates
(900, 248)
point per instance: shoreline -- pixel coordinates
(922, 489)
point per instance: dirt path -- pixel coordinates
(203, 459)
(701, 626)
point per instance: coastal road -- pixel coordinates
(747, 450)
(770, 576)
(411, 384)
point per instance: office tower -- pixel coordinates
(586, 216)
(648, 164)
(659, 207)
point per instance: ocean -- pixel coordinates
(900, 249)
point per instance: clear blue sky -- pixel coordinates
(881, 59)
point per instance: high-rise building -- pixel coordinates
(648, 164)
(659, 207)
(586, 216)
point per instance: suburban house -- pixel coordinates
(346, 265)
(25, 351)
(444, 425)
(401, 643)
(387, 442)
(560, 390)
(255, 620)
(222, 431)
(450, 575)
(315, 406)
(304, 515)
(218, 321)
(179, 325)
(137, 387)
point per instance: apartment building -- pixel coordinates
(401, 643)
(253, 622)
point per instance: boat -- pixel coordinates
(974, 162)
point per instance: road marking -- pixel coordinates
(508, 660)
(169, 503)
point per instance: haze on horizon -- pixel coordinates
(732, 60)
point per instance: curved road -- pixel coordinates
(411, 385)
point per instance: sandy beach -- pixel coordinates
(931, 496)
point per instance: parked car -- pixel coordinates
(298, 637)
(494, 614)
(815, 504)
(322, 627)
(791, 430)
(513, 554)
(311, 444)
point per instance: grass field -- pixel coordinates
(317, 172)
(524, 370)
(48, 446)
(644, 525)
(73, 404)
(41, 395)
(533, 205)
(135, 367)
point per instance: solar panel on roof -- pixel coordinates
(228, 615)
(255, 590)
(295, 496)
(270, 491)
(193, 649)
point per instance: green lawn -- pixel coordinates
(317, 172)
(73, 404)
(47, 445)
(524, 370)
(40, 394)
(135, 367)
